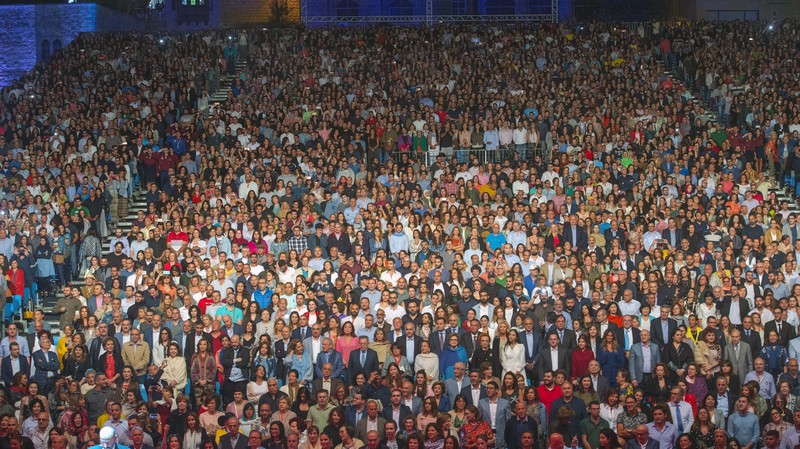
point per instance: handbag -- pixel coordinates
(28, 315)
(58, 259)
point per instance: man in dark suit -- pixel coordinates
(750, 336)
(614, 233)
(14, 363)
(396, 411)
(642, 439)
(410, 344)
(734, 302)
(193, 338)
(566, 337)
(627, 335)
(357, 410)
(363, 360)
(233, 439)
(38, 329)
(183, 335)
(372, 418)
(453, 326)
(46, 362)
(517, 425)
(779, 325)
(438, 338)
(726, 400)
(599, 383)
(332, 356)
(96, 349)
(151, 332)
(531, 339)
(340, 240)
(553, 349)
(281, 350)
(665, 293)
(326, 380)
(302, 332)
(235, 361)
(574, 234)
(230, 328)
(605, 325)
(661, 330)
(672, 235)
(475, 389)
(469, 340)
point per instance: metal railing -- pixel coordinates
(482, 155)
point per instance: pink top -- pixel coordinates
(345, 347)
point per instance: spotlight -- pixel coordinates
(161, 41)
(770, 27)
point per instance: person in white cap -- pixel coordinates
(108, 440)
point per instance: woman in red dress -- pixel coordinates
(581, 357)
(16, 280)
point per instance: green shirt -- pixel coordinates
(319, 417)
(592, 431)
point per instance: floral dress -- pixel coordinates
(470, 431)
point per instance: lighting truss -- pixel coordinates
(431, 19)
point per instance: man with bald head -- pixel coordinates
(329, 355)
(556, 441)
(642, 358)
(235, 361)
(326, 380)
(642, 439)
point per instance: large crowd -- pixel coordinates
(456, 237)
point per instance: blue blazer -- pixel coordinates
(466, 391)
(335, 359)
(24, 367)
(500, 419)
(237, 329)
(350, 415)
(43, 366)
(296, 335)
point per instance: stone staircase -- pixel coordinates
(137, 203)
(782, 194)
(226, 85)
(47, 303)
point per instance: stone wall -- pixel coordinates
(255, 12)
(29, 33)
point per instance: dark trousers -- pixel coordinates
(229, 387)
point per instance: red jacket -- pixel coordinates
(16, 282)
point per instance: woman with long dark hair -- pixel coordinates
(194, 434)
(277, 437)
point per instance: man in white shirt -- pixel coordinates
(313, 344)
(391, 276)
(222, 283)
(628, 305)
(495, 411)
(394, 310)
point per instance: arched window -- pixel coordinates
(45, 50)
(56, 45)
